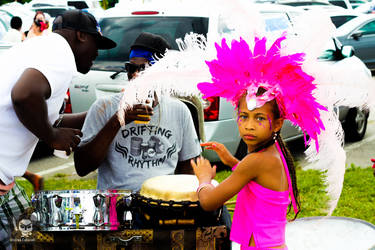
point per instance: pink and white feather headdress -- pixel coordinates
(239, 70)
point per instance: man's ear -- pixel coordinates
(81, 36)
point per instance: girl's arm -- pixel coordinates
(225, 156)
(211, 197)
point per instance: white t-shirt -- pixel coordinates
(13, 36)
(139, 151)
(53, 57)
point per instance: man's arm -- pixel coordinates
(72, 120)
(29, 101)
(184, 167)
(88, 157)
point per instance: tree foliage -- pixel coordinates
(9, 1)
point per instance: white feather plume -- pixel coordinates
(179, 72)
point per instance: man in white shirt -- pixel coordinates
(14, 35)
(35, 77)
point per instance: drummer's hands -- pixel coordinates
(66, 139)
(139, 109)
(4, 189)
(203, 170)
(225, 156)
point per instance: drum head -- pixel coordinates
(181, 187)
(330, 233)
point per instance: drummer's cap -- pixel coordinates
(154, 43)
(85, 22)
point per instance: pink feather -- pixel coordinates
(238, 70)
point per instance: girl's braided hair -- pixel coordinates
(286, 153)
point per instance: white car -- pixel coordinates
(107, 75)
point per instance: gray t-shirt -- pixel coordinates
(142, 151)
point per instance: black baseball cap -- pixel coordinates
(151, 42)
(85, 22)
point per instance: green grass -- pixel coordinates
(59, 183)
(357, 199)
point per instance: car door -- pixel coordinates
(364, 45)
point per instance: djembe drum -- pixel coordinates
(171, 201)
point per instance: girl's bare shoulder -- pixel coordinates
(262, 160)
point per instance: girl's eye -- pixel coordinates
(243, 116)
(259, 118)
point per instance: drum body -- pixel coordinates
(173, 214)
(171, 201)
(64, 210)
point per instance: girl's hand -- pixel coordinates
(225, 156)
(203, 170)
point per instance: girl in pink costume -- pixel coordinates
(266, 88)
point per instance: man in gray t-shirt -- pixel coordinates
(126, 156)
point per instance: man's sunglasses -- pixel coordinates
(132, 68)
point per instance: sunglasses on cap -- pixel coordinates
(132, 68)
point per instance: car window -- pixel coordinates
(368, 29)
(78, 4)
(340, 20)
(53, 12)
(338, 3)
(276, 21)
(304, 3)
(124, 31)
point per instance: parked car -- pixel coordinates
(219, 116)
(52, 11)
(92, 6)
(311, 5)
(360, 33)
(367, 8)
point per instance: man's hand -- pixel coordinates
(4, 189)
(139, 112)
(66, 139)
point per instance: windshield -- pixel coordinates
(53, 12)
(124, 31)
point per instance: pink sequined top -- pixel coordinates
(261, 212)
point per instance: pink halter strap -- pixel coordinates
(290, 187)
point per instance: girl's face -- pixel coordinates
(257, 126)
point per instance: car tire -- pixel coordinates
(241, 151)
(355, 124)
